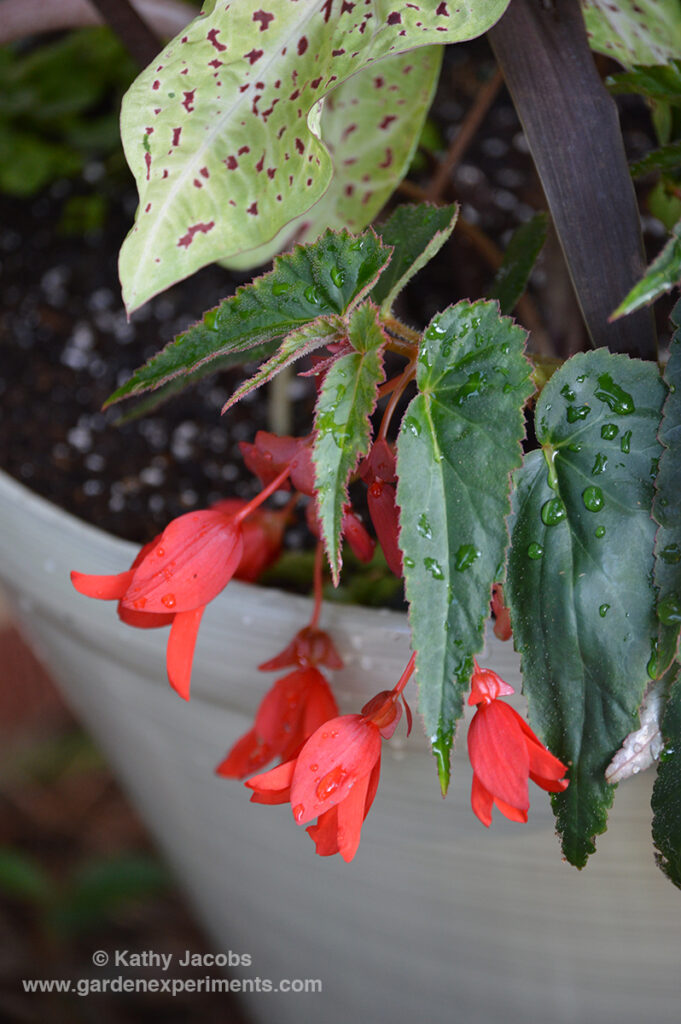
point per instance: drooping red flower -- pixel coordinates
(378, 471)
(335, 776)
(175, 576)
(292, 710)
(505, 753)
(270, 454)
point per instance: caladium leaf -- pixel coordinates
(583, 609)
(667, 510)
(519, 259)
(370, 125)
(319, 280)
(342, 429)
(634, 31)
(663, 274)
(666, 800)
(417, 234)
(222, 132)
(458, 444)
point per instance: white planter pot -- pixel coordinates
(436, 915)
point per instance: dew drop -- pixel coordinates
(465, 556)
(609, 431)
(168, 600)
(423, 526)
(593, 499)
(298, 813)
(572, 447)
(625, 443)
(434, 568)
(603, 610)
(209, 319)
(553, 512)
(412, 425)
(577, 412)
(160, 552)
(599, 532)
(535, 550)
(311, 295)
(280, 288)
(328, 785)
(315, 767)
(475, 385)
(669, 610)
(409, 562)
(600, 464)
(338, 277)
(567, 393)
(618, 400)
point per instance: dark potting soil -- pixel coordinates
(66, 343)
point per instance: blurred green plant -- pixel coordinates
(59, 105)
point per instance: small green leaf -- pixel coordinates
(666, 800)
(342, 427)
(657, 83)
(519, 259)
(667, 158)
(634, 31)
(299, 343)
(319, 280)
(417, 233)
(667, 510)
(458, 444)
(583, 615)
(663, 274)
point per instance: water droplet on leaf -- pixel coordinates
(553, 512)
(609, 431)
(535, 550)
(614, 396)
(593, 499)
(465, 556)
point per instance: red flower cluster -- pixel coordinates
(335, 776)
(505, 753)
(292, 710)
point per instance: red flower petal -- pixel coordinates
(273, 787)
(482, 801)
(498, 753)
(246, 756)
(385, 517)
(325, 833)
(195, 558)
(336, 756)
(351, 815)
(180, 650)
(104, 588)
(281, 709)
(356, 534)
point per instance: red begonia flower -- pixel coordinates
(505, 753)
(270, 454)
(310, 646)
(378, 470)
(335, 776)
(263, 535)
(175, 576)
(352, 529)
(289, 713)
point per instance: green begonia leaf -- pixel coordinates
(342, 428)
(663, 274)
(519, 259)
(319, 280)
(580, 573)
(458, 444)
(417, 234)
(667, 158)
(667, 510)
(223, 131)
(666, 801)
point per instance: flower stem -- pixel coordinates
(406, 675)
(273, 486)
(400, 384)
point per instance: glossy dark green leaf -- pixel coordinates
(667, 509)
(319, 280)
(666, 158)
(458, 444)
(417, 234)
(666, 800)
(579, 579)
(663, 274)
(342, 429)
(519, 259)
(658, 82)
